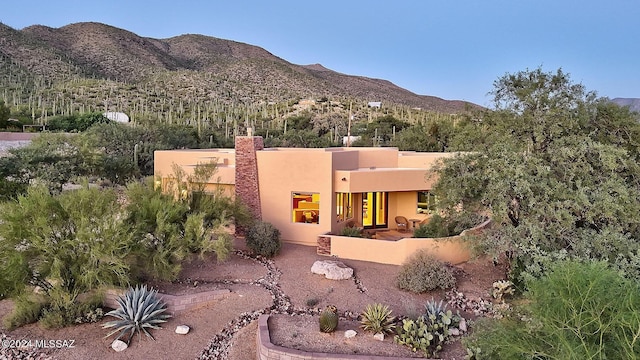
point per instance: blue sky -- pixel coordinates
(451, 49)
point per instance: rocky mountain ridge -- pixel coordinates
(39, 60)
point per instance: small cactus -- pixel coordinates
(329, 319)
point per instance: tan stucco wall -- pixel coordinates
(284, 171)
(407, 205)
(397, 252)
(388, 179)
(187, 159)
(451, 249)
(423, 160)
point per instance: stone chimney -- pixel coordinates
(247, 186)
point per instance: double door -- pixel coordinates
(374, 210)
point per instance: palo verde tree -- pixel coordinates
(558, 183)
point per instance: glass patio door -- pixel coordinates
(374, 210)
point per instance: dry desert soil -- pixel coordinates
(283, 286)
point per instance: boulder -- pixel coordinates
(119, 345)
(350, 333)
(332, 269)
(182, 329)
(379, 336)
(463, 325)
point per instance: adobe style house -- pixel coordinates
(310, 195)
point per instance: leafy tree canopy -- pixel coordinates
(384, 127)
(561, 180)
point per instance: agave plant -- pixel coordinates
(437, 313)
(377, 318)
(139, 310)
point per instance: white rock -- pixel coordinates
(462, 325)
(350, 333)
(119, 345)
(182, 329)
(454, 331)
(332, 269)
(379, 336)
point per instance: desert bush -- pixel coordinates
(75, 123)
(27, 310)
(435, 228)
(576, 311)
(263, 239)
(461, 221)
(66, 309)
(351, 231)
(452, 225)
(377, 318)
(423, 272)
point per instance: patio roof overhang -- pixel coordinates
(382, 179)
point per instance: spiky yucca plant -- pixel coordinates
(377, 318)
(329, 319)
(139, 310)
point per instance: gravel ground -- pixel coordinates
(6, 145)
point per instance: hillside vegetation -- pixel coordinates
(188, 79)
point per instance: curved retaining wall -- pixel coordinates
(269, 351)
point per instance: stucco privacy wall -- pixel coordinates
(451, 249)
(246, 173)
(225, 159)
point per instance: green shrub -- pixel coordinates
(263, 239)
(377, 319)
(65, 309)
(27, 310)
(576, 311)
(462, 221)
(435, 228)
(423, 272)
(439, 226)
(351, 232)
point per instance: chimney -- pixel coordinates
(247, 187)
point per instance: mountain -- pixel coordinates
(632, 103)
(93, 66)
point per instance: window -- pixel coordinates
(306, 207)
(426, 202)
(344, 204)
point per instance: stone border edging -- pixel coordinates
(268, 351)
(175, 303)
